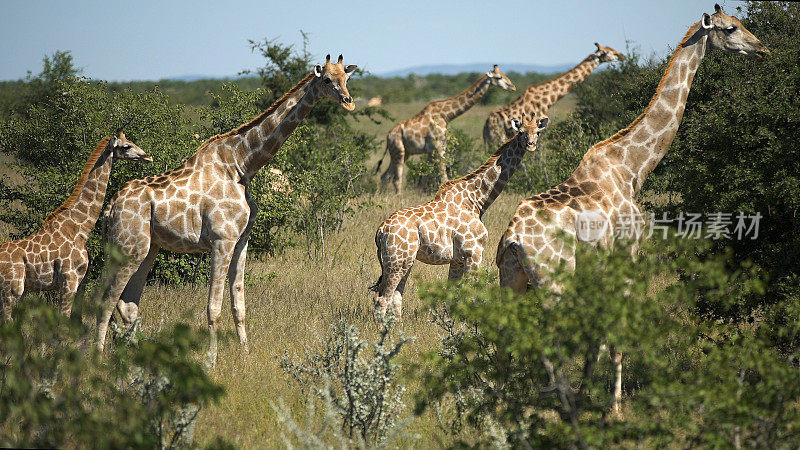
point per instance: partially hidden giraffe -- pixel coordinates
(447, 229)
(537, 99)
(205, 204)
(425, 132)
(55, 257)
(609, 177)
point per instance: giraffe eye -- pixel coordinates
(328, 80)
(730, 29)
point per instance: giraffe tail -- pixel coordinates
(375, 287)
(518, 253)
(380, 161)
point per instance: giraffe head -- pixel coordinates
(499, 79)
(726, 33)
(333, 78)
(125, 149)
(607, 54)
(528, 131)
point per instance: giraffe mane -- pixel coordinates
(624, 132)
(489, 163)
(247, 126)
(87, 169)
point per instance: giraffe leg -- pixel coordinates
(118, 281)
(456, 271)
(12, 287)
(221, 253)
(616, 357)
(397, 295)
(67, 290)
(236, 280)
(128, 304)
(397, 157)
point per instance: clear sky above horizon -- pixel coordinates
(149, 39)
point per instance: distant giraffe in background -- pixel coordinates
(611, 173)
(425, 132)
(537, 99)
(205, 204)
(447, 229)
(55, 257)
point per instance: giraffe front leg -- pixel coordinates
(67, 291)
(236, 279)
(221, 254)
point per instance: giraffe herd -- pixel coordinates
(205, 204)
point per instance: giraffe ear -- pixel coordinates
(705, 22)
(516, 125)
(543, 122)
(113, 141)
(318, 70)
(350, 69)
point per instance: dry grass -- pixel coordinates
(291, 303)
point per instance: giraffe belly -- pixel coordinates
(39, 276)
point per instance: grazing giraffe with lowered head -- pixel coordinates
(55, 257)
(447, 229)
(609, 177)
(425, 132)
(537, 99)
(205, 204)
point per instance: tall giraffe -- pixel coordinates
(55, 257)
(448, 229)
(205, 204)
(425, 132)
(537, 99)
(611, 173)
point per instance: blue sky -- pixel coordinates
(149, 39)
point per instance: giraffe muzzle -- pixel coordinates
(347, 103)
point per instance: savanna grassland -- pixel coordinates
(709, 328)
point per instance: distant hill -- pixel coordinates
(454, 69)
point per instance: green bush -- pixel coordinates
(56, 391)
(529, 366)
(462, 155)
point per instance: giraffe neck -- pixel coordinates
(254, 144)
(85, 204)
(539, 98)
(457, 105)
(635, 151)
(484, 185)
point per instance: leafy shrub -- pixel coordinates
(462, 155)
(54, 134)
(357, 385)
(530, 365)
(56, 391)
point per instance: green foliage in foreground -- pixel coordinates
(528, 370)
(56, 391)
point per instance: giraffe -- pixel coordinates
(537, 99)
(55, 257)
(447, 229)
(425, 132)
(205, 204)
(609, 177)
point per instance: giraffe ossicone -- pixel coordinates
(55, 258)
(205, 204)
(536, 100)
(447, 229)
(540, 235)
(425, 133)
